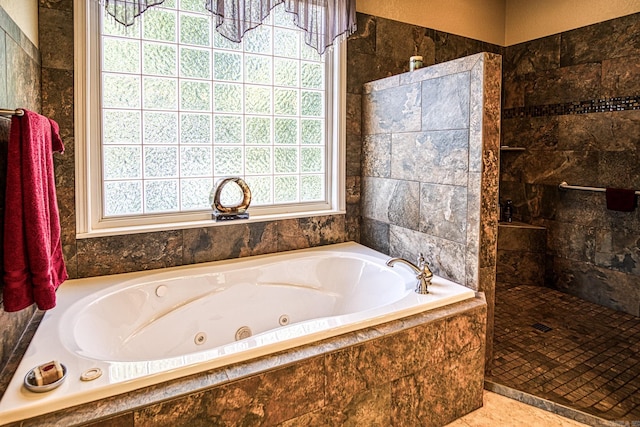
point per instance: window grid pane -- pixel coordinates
(183, 107)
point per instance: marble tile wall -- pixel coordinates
(571, 100)
(430, 168)
(521, 255)
(19, 87)
(426, 369)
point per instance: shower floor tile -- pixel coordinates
(569, 351)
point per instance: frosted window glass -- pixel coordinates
(121, 127)
(286, 189)
(195, 63)
(160, 196)
(196, 129)
(195, 161)
(228, 161)
(160, 162)
(261, 190)
(120, 91)
(122, 198)
(286, 72)
(258, 130)
(257, 69)
(286, 159)
(122, 162)
(312, 188)
(160, 93)
(159, 59)
(286, 131)
(195, 30)
(258, 160)
(195, 95)
(228, 130)
(159, 24)
(121, 55)
(160, 128)
(257, 100)
(312, 131)
(194, 193)
(228, 98)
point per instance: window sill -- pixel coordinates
(152, 228)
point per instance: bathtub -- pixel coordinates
(145, 328)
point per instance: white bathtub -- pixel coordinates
(144, 328)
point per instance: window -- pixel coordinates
(172, 107)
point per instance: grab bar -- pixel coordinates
(564, 186)
(6, 112)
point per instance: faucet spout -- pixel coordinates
(423, 273)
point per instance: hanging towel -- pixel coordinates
(33, 263)
(620, 199)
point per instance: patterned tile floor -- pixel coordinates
(588, 358)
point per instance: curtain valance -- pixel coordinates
(323, 21)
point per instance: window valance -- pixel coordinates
(323, 21)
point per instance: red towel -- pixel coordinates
(33, 263)
(620, 199)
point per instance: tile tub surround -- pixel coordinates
(571, 100)
(19, 87)
(430, 168)
(426, 369)
(521, 255)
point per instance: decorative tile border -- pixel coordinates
(603, 105)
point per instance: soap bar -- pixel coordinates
(48, 373)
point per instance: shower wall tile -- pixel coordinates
(232, 241)
(613, 131)
(23, 77)
(392, 110)
(532, 57)
(122, 254)
(443, 211)
(621, 76)
(19, 87)
(438, 157)
(615, 38)
(588, 253)
(57, 4)
(375, 234)
(602, 286)
(392, 201)
(445, 102)
(377, 161)
(304, 233)
(444, 257)
(618, 250)
(4, 100)
(55, 29)
(57, 103)
(568, 84)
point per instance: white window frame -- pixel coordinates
(89, 220)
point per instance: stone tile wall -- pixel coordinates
(571, 100)
(521, 255)
(426, 369)
(430, 168)
(19, 87)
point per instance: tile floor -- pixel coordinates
(500, 411)
(568, 351)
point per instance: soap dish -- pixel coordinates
(30, 381)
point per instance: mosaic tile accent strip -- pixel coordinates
(588, 361)
(603, 105)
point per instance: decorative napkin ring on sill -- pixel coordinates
(222, 212)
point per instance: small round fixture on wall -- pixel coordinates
(200, 338)
(284, 320)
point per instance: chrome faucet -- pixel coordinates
(423, 274)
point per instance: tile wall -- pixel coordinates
(571, 100)
(19, 87)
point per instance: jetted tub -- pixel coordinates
(148, 327)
